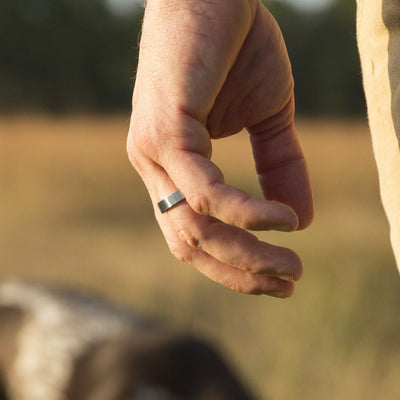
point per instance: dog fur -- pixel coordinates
(62, 344)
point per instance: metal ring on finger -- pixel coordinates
(170, 201)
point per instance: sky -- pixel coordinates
(122, 6)
(308, 5)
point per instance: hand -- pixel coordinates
(207, 69)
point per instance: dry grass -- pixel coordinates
(72, 209)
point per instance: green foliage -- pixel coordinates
(73, 55)
(65, 55)
(323, 51)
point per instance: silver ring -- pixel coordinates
(171, 200)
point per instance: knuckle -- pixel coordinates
(181, 253)
(253, 289)
(245, 222)
(248, 287)
(236, 287)
(142, 138)
(132, 147)
(137, 138)
(189, 237)
(199, 202)
(199, 234)
(132, 156)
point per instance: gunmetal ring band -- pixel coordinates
(171, 200)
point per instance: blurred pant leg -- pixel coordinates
(378, 32)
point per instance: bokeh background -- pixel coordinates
(73, 210)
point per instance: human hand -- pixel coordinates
(207, 69)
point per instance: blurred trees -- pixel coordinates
(65, 55)
(323, 51)
(74, 55)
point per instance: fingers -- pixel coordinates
(234, 246)
(183, 155)
(234, 259)
(280, 164)
(202, 184)
(279, 161)
(240, 281)
(226, 254)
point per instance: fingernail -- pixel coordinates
(283, 228)
(289, 220)
(285, 277)
(276, 293)
(286, 227)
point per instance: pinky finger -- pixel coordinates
(234, 278)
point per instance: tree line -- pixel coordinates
(72, 55)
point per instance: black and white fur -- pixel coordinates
(62, 344)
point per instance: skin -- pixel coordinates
(208, 69)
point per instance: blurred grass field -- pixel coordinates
(72, 209)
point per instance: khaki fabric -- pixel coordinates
(378, 33)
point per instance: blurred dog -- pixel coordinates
(57, 343)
